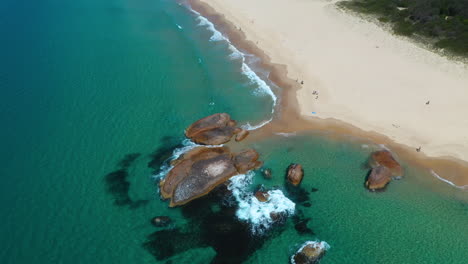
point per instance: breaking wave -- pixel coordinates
(463, 187)
(251, 210)
(262, 87)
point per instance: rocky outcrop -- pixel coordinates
(161, 221)
(310, 252)
(242, 135)
(384, 168)
(378, 178)
(385, 158)
(212, 130)
(200, 170)
(295, 174)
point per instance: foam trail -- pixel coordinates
(463, 187)
(248, 126)
(317, 244)
(251, 210)
(286, 134)
(384, 147)
(262, 87)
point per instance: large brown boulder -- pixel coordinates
(378, 178)
(247, 160)
(295, 174)
(310, 253)
(200, 170)
(204, 176)
(212, 130)
(385, 158)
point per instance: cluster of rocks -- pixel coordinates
(200, 170)
(197, 172)
(383, 168)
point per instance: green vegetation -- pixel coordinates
(441, 23)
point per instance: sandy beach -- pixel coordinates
(354, 71)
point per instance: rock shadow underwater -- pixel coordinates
(118, 184)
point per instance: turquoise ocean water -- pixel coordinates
(87, 85)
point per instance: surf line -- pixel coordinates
(254, 79)
(463, 187)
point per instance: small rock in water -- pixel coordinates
(384, 167)
(267, 173)
(307, 204)
(386, 159)
(262, 196)
(310, 252)
(302, 228)
(295, 174)
(161, 221)
(242, 135)
(314, 190)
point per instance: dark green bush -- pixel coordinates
(443, 22)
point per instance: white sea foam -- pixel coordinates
(262, 87)
(187, 145)
(251, 210)
(286, 134)
(463, 187)
(318, 244)
(384, 147)
(248, 126)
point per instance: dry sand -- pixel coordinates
(364, 75)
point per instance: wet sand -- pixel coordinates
(290, 115)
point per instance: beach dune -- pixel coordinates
(357, 72)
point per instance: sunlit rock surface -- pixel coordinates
(200, 170)
(212, 130)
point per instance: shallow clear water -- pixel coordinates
(85, 83)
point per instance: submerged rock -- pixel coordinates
(310, 252)
(267, 174)
(200, 170)
(295, 174)
(378, 178)
(161, 221)
(212, 130)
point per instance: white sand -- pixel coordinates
(364, 75)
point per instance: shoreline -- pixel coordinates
(289, 115)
